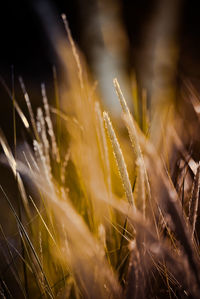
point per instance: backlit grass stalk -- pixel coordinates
(43, 136)
(74, 50)
(104, 149)
(13, 165)
(194, 201)
(15, 103)
(119, 159)
(54, 146)
(29, 106)
(128, 119)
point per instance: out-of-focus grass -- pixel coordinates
(100, 211)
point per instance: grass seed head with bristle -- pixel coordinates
(119, 159)
(129, 122)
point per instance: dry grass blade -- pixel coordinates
(13, 166)
(104, 143)
(74, 51)
(19, 111)
(194, 201)
(25, 234)
(43, 221)
(120, 160)
(19, 254)
(8, 153)
(30, 110)
(141, 186)
(14, 269)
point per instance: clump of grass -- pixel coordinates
(80, 238)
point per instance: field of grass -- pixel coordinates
(105, 207)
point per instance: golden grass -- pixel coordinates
(80, 238)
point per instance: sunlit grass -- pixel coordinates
(106, 220)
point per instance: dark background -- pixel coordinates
(25, 45)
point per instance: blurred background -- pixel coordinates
(115, 36)
(153, 45)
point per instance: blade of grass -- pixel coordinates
(194, 201)
(28, 241)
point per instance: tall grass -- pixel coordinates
(108, 217)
